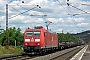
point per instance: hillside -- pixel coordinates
(85, 36)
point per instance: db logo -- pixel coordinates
(32, 40)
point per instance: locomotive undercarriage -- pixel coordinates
(45, 50)
(37, 50)
(31, 48)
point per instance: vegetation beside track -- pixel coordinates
(67, 37)
(14, 34)
(10, 50)
(16, 38)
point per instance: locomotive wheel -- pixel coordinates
(41, 53)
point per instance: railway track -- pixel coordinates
(59, 55)
(18, 57)
(68, 55)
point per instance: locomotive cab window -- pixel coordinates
(29, 33)
(36, 33)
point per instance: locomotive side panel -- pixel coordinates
(51, 40)
(47, 39)
(42, 41)
(56, 39)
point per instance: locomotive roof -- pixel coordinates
(39, 29)
(35, 29)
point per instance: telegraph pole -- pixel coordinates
(7, 35)
(7, 39)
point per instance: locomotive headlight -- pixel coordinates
(37, 40)
(38, 44)
(27, 40)
(26, 44)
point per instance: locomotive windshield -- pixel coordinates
(29, 33)
(35, 33)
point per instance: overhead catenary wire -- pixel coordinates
(15, 9)
(72, 15)
(20, 6)
(24, 12)
(35, 15)
(43, 15)
(31, 14)
(63, 7)
(78, 8)
(68, 13)
(26, 9)
(19, 11)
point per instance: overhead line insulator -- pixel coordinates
(67, 0)
(68, 4)
(22, 1)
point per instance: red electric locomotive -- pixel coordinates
(39, 39)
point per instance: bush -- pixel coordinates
(10, 50)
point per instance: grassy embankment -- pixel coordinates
(10, 50)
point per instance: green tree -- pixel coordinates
(3, 38)
(67, 38)
(14, 34)
(19, 37)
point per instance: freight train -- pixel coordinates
(40, 40)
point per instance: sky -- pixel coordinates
(72, 18)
